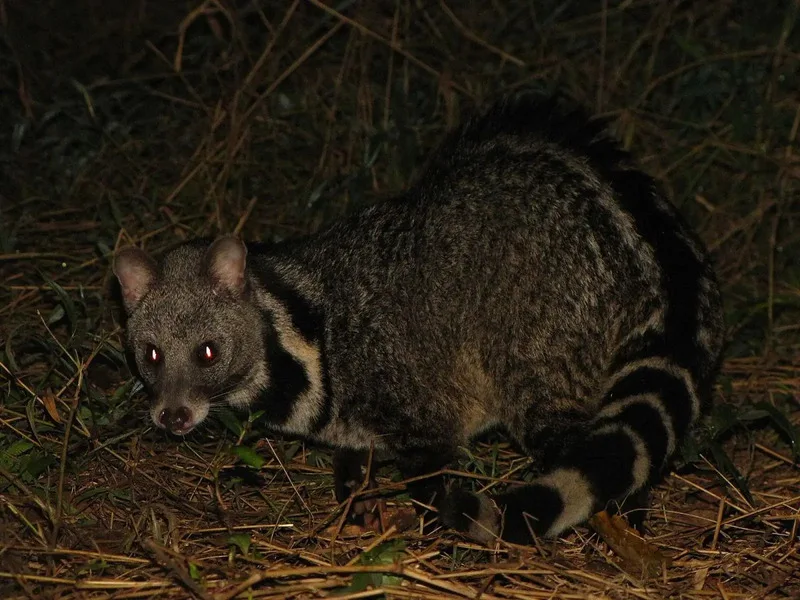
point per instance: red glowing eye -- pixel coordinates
(152, 354)
(207, 353)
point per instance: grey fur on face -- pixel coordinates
(532, 279)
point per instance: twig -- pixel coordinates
(477, 39)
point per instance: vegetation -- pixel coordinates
(155, 122)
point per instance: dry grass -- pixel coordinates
(156, 122)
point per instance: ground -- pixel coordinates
(152, 123)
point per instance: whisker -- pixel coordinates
(224, 391)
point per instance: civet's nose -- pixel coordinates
(177, 421)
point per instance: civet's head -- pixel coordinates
(193, 328)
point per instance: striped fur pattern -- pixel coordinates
(532, 280)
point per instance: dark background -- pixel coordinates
(153, 122)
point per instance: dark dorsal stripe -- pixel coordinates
(681, 270)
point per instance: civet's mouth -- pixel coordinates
(179, 421)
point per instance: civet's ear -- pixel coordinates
(225, 260)
(136, 273)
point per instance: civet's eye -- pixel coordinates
(207, 353)
(153, 355)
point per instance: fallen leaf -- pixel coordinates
(638, 556)
(49, 401)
